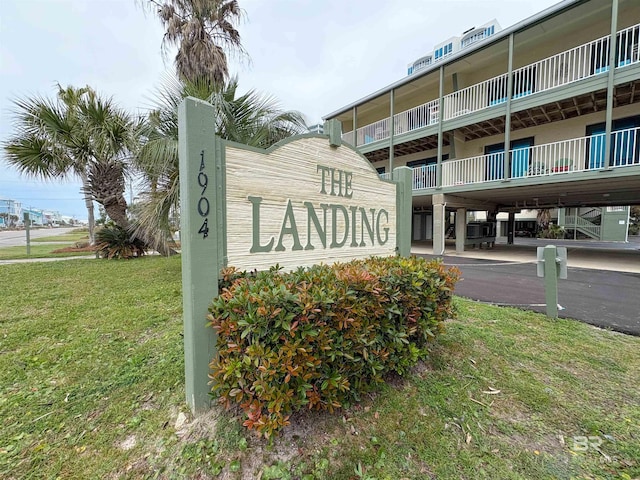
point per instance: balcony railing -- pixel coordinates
(348, 137)
(373, 132)
(424, 177)
(567, 156)
(417, 117)
(567, 67)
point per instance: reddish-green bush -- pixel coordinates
(321, 337)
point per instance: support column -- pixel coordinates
(511, 227)
(507, 117)
(355, 126)
(612, 67)
(391, 128)
(461, 229)
(440, 119)
(438, 224)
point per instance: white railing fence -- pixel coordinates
(625, 147)
(580, 62)
(480, 169)
(476, 97)
(557, 157)
(566, 156)
(373, 132)
(573, 221)
(627, 46)
(424, 176)
(416, 117)
(386, 175)
(348, 137)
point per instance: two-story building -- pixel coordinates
(542, 114)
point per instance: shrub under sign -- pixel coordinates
(320, 337)
(304, 201)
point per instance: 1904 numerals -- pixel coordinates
(203, 202)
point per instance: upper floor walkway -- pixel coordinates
(585, 68)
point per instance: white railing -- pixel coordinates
(424, 176)
(348, 137)
(627, 47)
(566, 67)
(480, 169)
(564, 157)
(416, 117)
(573, 221)
(558, 157)
(385, 176)
(583, 61)
(373, 132)
(476, 97)
(625, 147)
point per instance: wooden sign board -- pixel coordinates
(304, 201)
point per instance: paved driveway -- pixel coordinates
(11, 238)
(607, 299)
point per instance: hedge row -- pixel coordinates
(321, 337)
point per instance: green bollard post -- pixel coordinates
(551, 281)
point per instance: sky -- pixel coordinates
(314, 57)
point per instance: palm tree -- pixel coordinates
(252, 118)
(79, 134)
(543, 218)
(204, 31)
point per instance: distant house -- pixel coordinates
(10, 212)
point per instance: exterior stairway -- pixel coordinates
(587, 223)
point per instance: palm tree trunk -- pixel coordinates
(88, 201)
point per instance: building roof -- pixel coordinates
(497, 37)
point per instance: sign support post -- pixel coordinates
(201, 234)
(403, 176)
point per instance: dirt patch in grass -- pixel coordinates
(88, 248)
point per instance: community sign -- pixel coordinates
(306, 200)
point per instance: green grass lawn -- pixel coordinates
(73, 236)
(91, 372)
(37, 251)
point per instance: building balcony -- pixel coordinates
(588, 60)
(559, 159)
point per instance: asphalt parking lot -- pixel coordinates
(602, 297)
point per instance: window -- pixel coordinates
(381, 170)
(616, 209)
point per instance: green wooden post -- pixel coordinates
(551, 281)
(333, 128)
(202, 235)
(404, 192)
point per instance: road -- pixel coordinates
(607, 299)
(11, 238)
